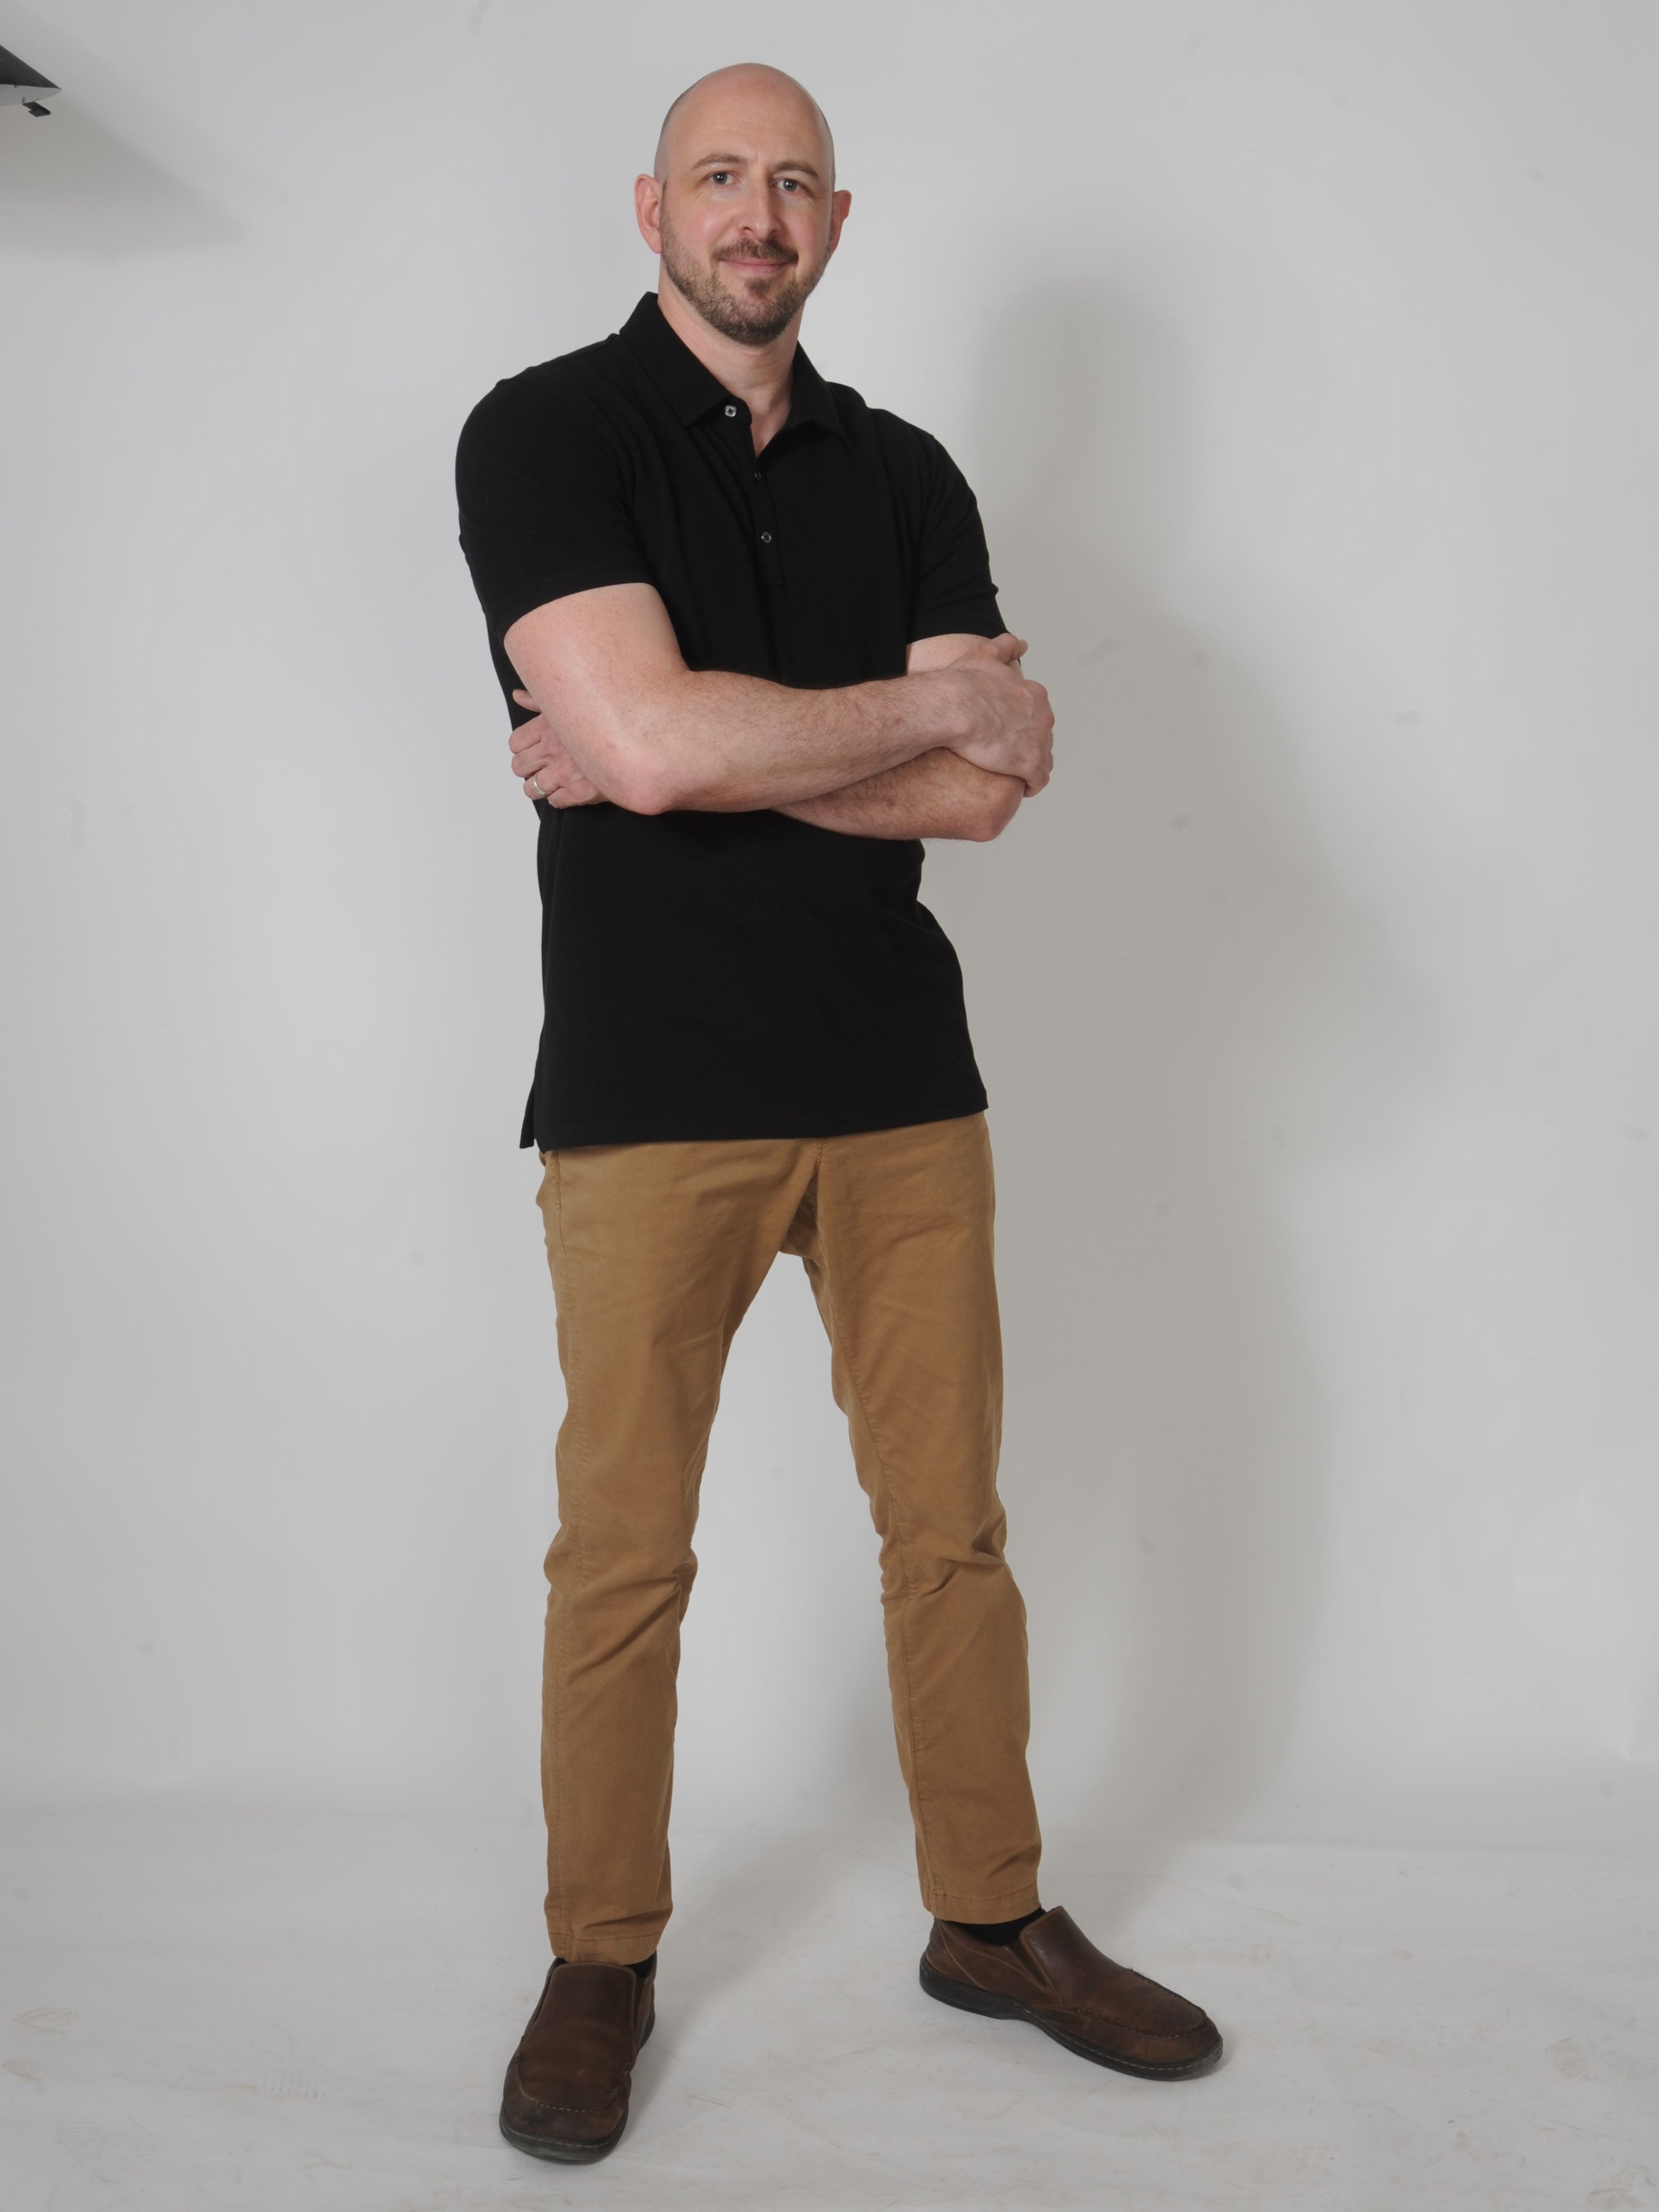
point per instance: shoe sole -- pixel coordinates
(966, 1998)
(575, 2153)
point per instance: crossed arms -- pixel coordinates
(947, 749)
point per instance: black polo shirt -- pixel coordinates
(707, 975)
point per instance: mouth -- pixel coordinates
(755, 264)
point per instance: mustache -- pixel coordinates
(783, 255)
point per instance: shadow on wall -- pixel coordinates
(69, 185)
(1175, 1003)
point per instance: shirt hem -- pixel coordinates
(542, 594)
(717, 1128)
(967, 618)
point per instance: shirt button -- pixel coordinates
(730, 411)
(766, 538)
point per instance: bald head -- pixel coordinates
(738, 94)
(742, 206)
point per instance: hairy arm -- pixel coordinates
(621, 717)
(938, 794)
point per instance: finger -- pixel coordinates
(550, 766)
(565, 770)
(562, 784)
(524, 699)
(1009, 647)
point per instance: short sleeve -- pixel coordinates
(954, 591)
(542, 484)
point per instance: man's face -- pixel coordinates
(745, 212)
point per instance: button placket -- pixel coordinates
(765, 512)
(768, 551)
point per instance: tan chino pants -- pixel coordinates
(657, 1251)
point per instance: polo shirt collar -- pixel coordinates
(810, 399)
(691, 390)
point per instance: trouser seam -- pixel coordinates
(576, 1416)
(838, 1343)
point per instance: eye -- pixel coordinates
(720, 176)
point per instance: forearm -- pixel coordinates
(606, 670)
(939, 795)
(724, 744)
(637, 726)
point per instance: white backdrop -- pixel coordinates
(1303, 358)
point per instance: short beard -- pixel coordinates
(738, 316)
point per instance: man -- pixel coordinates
(748, 629)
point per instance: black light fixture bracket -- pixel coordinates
(20, 85)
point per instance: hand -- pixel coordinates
(1007, 651)
(1012, 729)
(545, 768)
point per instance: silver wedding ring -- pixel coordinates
(536, 786)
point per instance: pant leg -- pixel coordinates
(897, 1236)
(656, 1252)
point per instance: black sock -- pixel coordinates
(642, 1967)
(998, 1931)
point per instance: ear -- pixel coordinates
(647, 211)
(840, 205)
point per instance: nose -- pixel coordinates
(758, 216)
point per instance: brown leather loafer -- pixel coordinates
(1052, 1975)
(567, 2085)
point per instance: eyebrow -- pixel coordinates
(740, 161)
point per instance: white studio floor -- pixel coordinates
(217, 2015)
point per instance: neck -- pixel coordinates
(758, 375)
